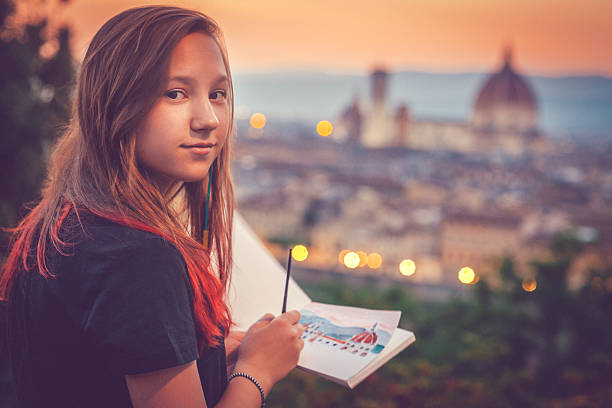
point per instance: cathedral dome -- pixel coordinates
(365, 337)
(505, 103)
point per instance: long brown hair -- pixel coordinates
(93, 166)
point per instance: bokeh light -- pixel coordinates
(407, 267)
(374, 260)
(324, 128)
(529, 285)
(351, 260)
(258, 120)
(299, 253)
(466, 275)
(342, 254)
(363, 258)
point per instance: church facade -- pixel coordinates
(504, 119)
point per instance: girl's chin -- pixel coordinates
(196, 178)
(170, 183)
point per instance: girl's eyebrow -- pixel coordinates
(220, 79)
(184, 79)
(190, 80)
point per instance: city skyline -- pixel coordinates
(548, 38)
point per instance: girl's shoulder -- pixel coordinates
(106, 254)
(103, 257)
(93, 240)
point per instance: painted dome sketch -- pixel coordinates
(355, 340)
(340, 341)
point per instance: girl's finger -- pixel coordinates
(291, 317)
(267, 317)
(263, 321)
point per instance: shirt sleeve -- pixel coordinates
(141, 317)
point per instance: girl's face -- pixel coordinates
(185, 130)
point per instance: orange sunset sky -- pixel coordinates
(549, 37)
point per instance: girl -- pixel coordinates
(115, 282)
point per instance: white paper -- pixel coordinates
(340, 341)
(258, 280)
(257, 287)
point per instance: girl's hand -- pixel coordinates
(232, 344)
(271, 348)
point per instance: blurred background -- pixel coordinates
(447, 159)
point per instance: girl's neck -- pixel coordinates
(170, 191)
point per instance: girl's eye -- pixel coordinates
(218, 95)
(174, 95)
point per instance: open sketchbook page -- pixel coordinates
(257, 287)
(340, 340)
(400, 340)
(258, 280)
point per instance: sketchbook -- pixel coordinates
(342, 344)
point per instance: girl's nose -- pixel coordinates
(204, 117)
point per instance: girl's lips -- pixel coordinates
(202, 150)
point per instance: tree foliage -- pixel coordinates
(36, 80)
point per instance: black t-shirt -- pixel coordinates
(121, 304)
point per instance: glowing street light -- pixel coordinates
(342, 254)
(351, 260)
(258, 120)
(374, 260)
(529, 285)
(299, 253)
(324, 128)
(466, 275)
(407, 267)
(363, 258)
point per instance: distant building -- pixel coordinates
(504, 119)
(479, 241)
(505, 103)
(349, 123)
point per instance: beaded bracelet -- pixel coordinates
(245, 375)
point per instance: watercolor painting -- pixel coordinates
(344, 339)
